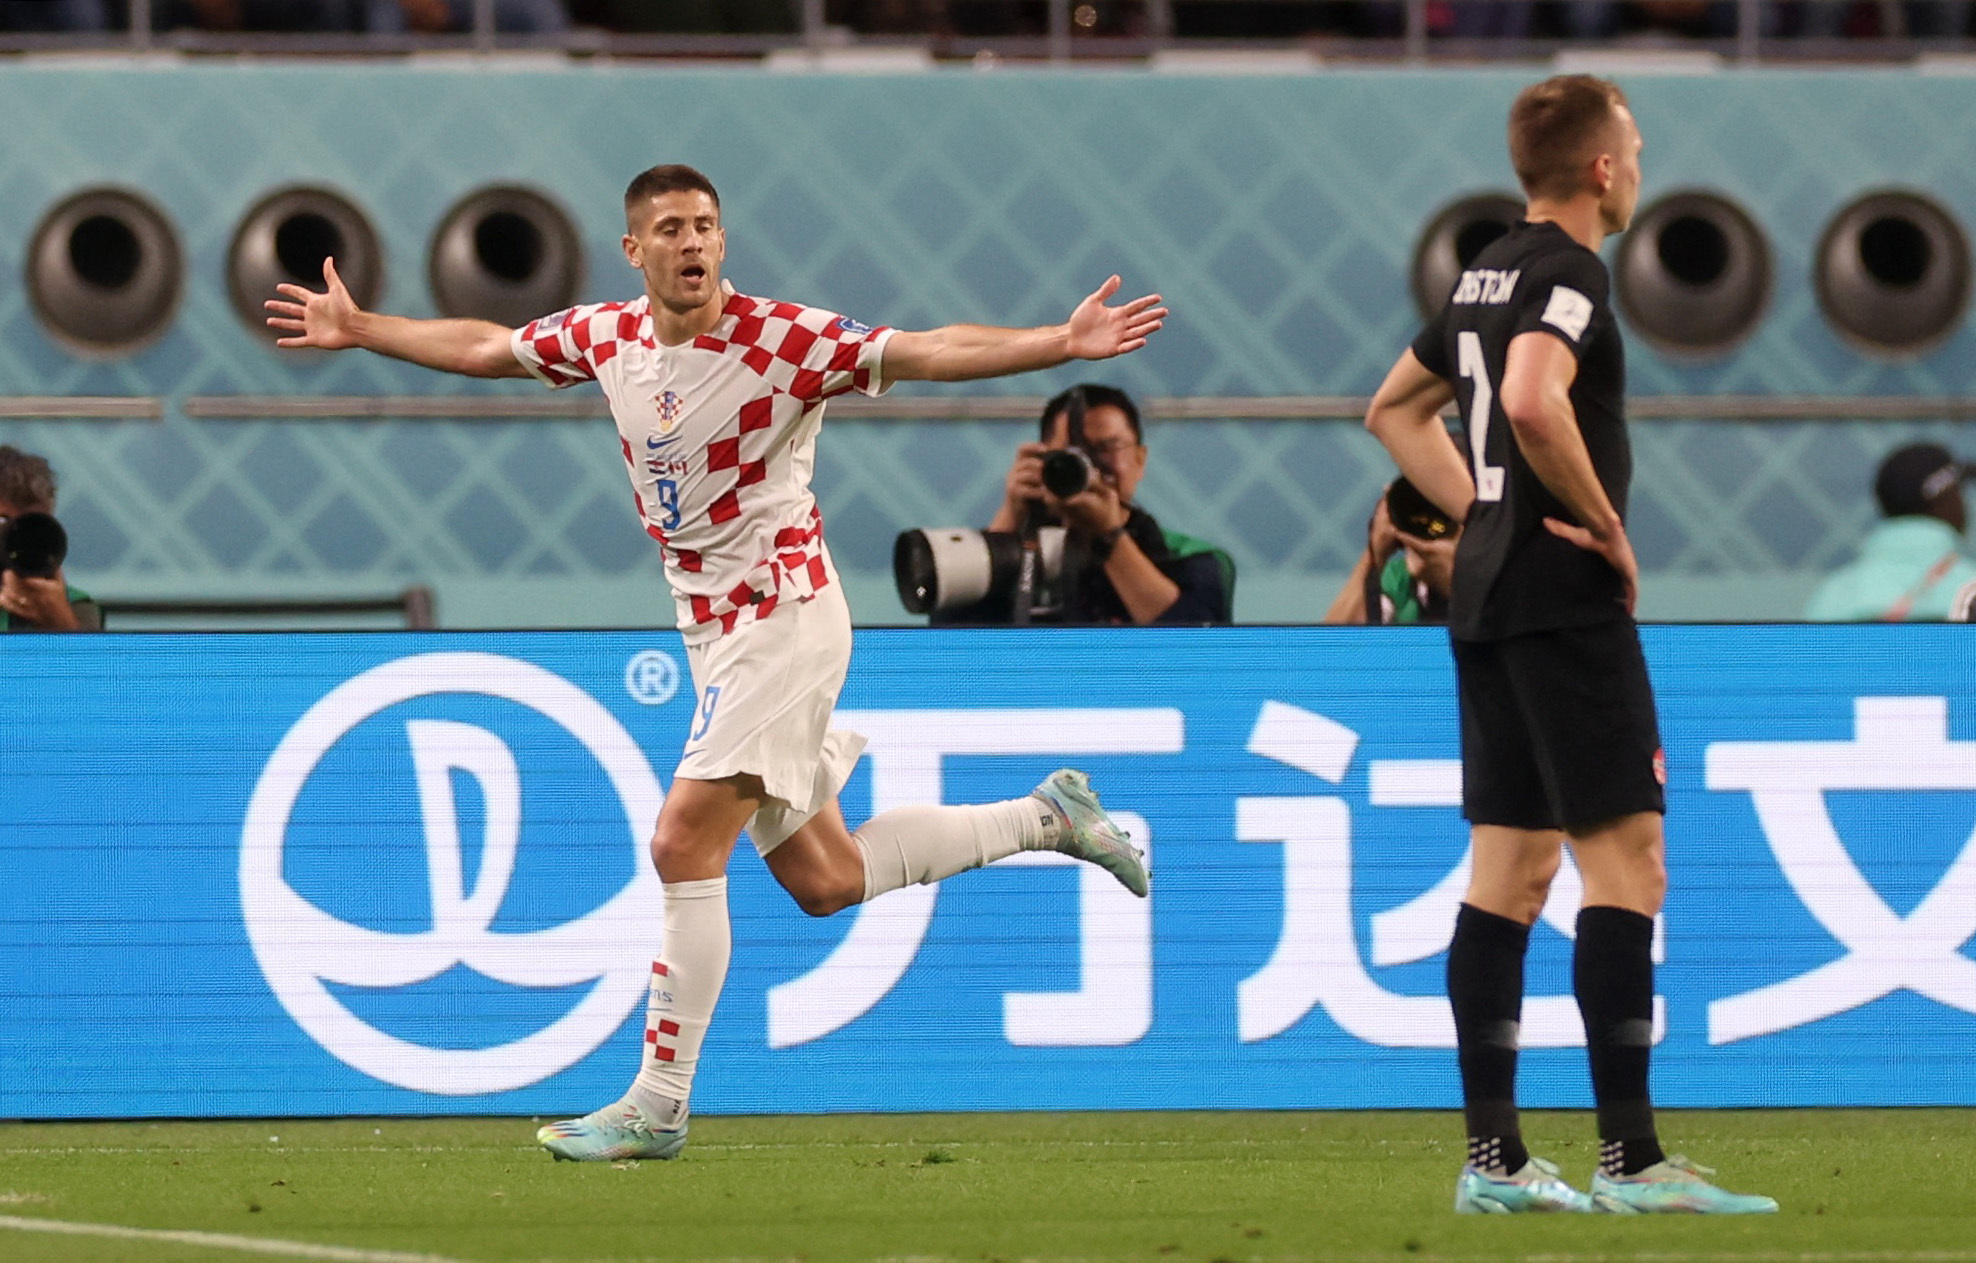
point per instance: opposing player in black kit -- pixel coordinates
(1558, 736)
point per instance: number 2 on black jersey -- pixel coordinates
(1469, 362)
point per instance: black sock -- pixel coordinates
(1485, 989)
(1613, 975)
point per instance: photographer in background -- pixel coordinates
(1119, 566)
(1407, 569)
(33, 594)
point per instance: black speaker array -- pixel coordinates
(1694, 271)
(105, 270)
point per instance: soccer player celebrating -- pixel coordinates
(718, 398)
(1558, 736)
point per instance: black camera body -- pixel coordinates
(1067, 471)
(1073, 467)
(33, 545)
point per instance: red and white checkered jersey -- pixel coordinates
(720, 437)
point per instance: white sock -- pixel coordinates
(922, 845)
(686, 983)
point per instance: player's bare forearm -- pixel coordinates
(1405, 416)
(1556, 451)
(471, 348)
(961, 353)
(330, 320)
(1537, 381)
(1537, 399)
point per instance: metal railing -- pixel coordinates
(939, 408)
(415, 605)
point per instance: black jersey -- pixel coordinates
(1511, 574)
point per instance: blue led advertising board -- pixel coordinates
(406, 873)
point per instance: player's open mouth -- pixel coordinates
(693, 272)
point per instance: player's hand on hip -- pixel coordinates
(1615, 548)
(1098, 332)
(310, 319)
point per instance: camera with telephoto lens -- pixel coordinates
(1414, 514)
(940, 569)
(948, 568)
(32, 545)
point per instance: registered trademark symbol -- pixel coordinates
(651, 677)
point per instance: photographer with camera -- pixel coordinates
(1067, 546)
(1407, 569)
(33, 594)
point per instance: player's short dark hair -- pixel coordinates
(27, 481)
(672, 177)
(1094, 396)
(1555, 127)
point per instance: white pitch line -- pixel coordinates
(221, 1241)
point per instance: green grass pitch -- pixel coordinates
(1886, 1186)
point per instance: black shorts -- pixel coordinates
(1558, 728)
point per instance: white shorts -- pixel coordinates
(766, 691)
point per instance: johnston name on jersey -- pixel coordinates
(1511, 574)
(719, 435)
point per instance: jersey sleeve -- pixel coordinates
(1431, 349)
(565, 348)
(835, 355)
(1568, 299)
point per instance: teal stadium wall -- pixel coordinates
(1276, 214)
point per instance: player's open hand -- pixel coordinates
(322, 320)
(1098, 332)
(1615, 548)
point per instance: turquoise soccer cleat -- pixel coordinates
(1536, 1189)
(611, 1134)
(1674, 1187)
(1091, 834)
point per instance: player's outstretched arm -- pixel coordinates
(332, 321)
(1405, 416)
(958, 353)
